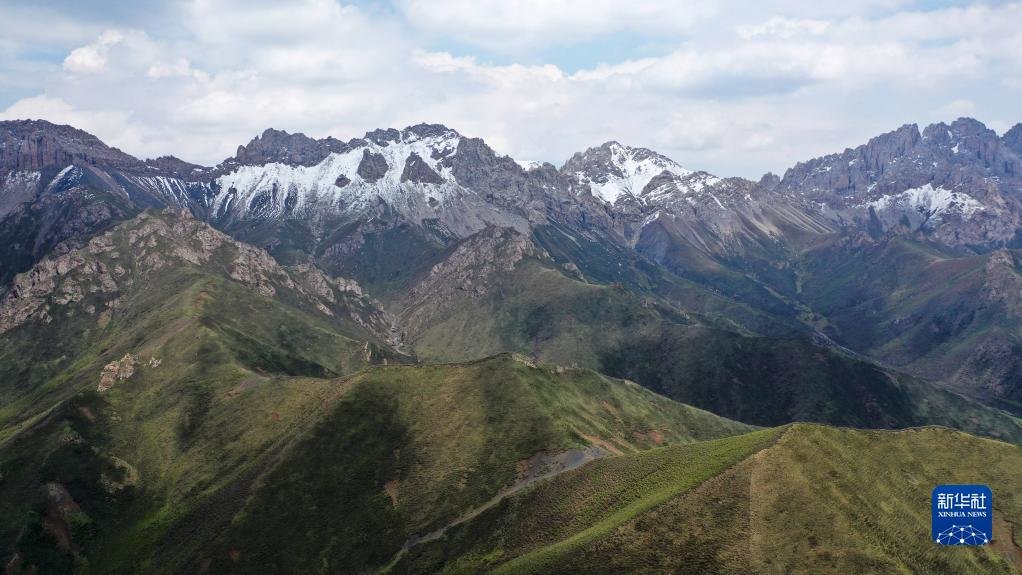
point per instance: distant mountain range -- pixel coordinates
(808, 249)
(407, 329)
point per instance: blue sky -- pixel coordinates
(736, 88)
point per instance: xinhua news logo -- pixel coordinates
(962, 515)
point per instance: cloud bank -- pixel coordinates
(733, 93)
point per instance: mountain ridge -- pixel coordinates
(386, 208)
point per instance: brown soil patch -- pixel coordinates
(242, 385)
(600, 442)
(86, 412)
(391, 488)
(1004, 541)
(60, 506)
(656, 436)
(652, 436)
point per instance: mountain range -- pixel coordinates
(418, 354)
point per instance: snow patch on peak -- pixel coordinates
(278, 189)
(69, 176)
(617, 171)
(929, 201)
(528, 164)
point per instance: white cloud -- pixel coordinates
(784, 28)
(91, 58)
(736, 93)
(512, 26)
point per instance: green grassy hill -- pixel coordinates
(802, 499)
(169, 474)
(699, 350)
(410, 449)
(168, 289)
(945, 317)
(161, 363)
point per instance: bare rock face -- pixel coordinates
(416, 170)
(1002, 282)
(171, 166)
(955, 183)
(280, 146)
(117, 371)
(471, 269)
(91, 280)
(1012, 139)
(32, 145)
(61, 280)
(373, 167)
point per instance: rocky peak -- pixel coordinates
(176, 167)
(427, 131)
(953, 182)
(293, 149)
(612, 170)
(475, 165)
(902, 159)
(391, 136)
(769, 181)
(471, 269)
(383, 137)
(967, 141)
(93, 279)
(33, 145)
(1012, 139)
(880, 151)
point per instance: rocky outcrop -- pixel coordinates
(170, 166)
(280, 146)
(472, 269)
(89, 280)
(116, 371)
(416, 170)
(1012, 139)
(59, 280)
(33, 145)
(373, 166)
(954, 183)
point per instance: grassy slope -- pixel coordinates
(810, 502)
(824, 500)
(409, 449)
(532, 531)
(223, 396)
(944, 317)
(238, 374)
(695, 358)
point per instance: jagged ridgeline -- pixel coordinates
(408, 353)
(901, 249)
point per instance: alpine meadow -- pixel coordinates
(494, 344)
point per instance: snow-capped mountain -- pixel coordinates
(958, 183)
(613, 172)
(409, 170)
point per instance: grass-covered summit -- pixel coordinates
(168, 475)
(798, 499)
